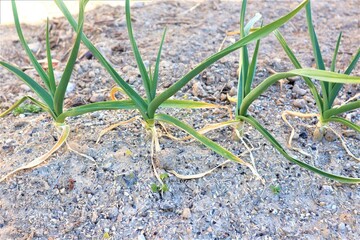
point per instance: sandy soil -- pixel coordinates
(70, 197)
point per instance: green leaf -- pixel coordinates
(174, 103)
(318, 57)
(305, 72)
(251, 23)
(52, 83)
(20, 101)
(252, 69)
(336, 51)
(42, 93)
(342, 109)
(61, 89)
(278, 147)
(139, 61)
(33, 60)
(296, 64)
(156, 70)
(337, 87)
(140, 103)
(345, 122)
(98, 106)
(262, 32)
(201, 138)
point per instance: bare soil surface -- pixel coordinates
(70, 197)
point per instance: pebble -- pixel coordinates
(25, 87)
(91, 74)
(113, 213)
(186, 213)
(342, 226)
(70, 88)
(330, 136)
(34, 47)
(232, 91)
(198, 90)
(296, 89)
(97, 98)
(141, 237)
(299, 103)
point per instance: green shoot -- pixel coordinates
(149, 105)
(275, 189)
(27, 108)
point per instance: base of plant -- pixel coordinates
(318, 134)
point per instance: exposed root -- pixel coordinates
(318, 133)
(155, 147)
(343, 143)
(199, 175)
(81, 154)
(249, 149)
(108, 129)
(295, 114)
(65, 130)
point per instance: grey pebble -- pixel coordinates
(299, 103)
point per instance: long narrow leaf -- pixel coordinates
(261, 33)
(139, 61)
(337, 87)
(278, 146)
(318, 57)
(297, 64)
(140, 103)
(52, 83)
(33, 60)
(36, 102)
(156, 70)
(204, 140)
(342, 109)
(345, 122)
(336, 51)
(310, 73)
(61, 89)
(42, 93)
(243, 60)
(251, 23)
(98, 106)
(252, 68)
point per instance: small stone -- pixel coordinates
(107, 166)
(34, 47)
(141, 237)
(330, 136)
(198, 90)
(97, 98)
(24, 87)
(70, 88)
(91, 74)
(299, 103)
(223, 97)
(94, 217)
(186, 213)
(232, 91)
(342, 226)
(296, 89)
(113, 213)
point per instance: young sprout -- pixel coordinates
(327, 112)
(148, 106)
(51, 98)
(246, 95)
